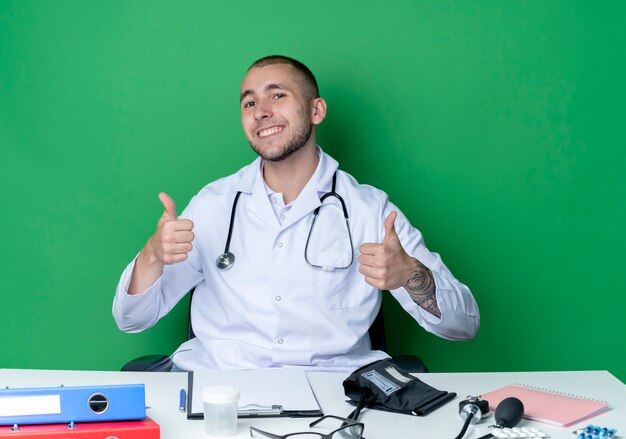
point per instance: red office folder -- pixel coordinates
(146, 429)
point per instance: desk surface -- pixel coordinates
(162, 396)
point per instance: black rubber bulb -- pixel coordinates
(509, 412)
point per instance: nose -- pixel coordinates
(262, 110)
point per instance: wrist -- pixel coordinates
(413, 265)
(148, 257)
(420, 278)
(147, 270)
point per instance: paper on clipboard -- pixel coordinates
(261, 390)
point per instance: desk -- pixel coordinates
(162, 392)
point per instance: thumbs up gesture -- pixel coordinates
(171, 242)
(386, 266)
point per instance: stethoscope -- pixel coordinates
(227, 259)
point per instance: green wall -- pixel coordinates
(498, 127)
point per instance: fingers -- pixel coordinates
(375, 276)
(173, 247)
(173, 238)
(370, 249)
(390, 229)
(177, 248)
(170, 238)
(390, 235)
(170, 259)
(373, 272)
(179, 225)
(169, 205)
(183, 237)
(373, 265)
(371, 260)
(385, 265)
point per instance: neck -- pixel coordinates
(289, 176)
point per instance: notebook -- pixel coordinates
(547, 406)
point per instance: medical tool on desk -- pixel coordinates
(508, 414)
(227, 259)
(472, 410)
(382, 385)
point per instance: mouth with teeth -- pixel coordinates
(269, 131)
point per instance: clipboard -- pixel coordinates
(263, 392)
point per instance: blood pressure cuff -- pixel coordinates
(382, 385)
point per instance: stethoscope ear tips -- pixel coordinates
(225, 261)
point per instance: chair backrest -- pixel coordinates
(190, 333)
(376, 331)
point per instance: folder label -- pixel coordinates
(30, 405)
(64, 404)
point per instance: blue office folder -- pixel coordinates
(51, 405)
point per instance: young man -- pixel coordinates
(301, 285)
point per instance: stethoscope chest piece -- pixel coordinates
(225, 261)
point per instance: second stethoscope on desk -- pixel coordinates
(227, 259)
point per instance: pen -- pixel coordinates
(254, 410)
(183, 400)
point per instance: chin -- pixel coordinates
(266, 152)
(279, 151)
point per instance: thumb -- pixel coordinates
(390, 229)
(168, 204)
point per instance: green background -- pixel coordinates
(497, 126)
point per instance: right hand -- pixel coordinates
(171, 242)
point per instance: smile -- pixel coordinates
(270, 131)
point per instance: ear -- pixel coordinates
(318, 111)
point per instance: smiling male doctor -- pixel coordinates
(273, 307)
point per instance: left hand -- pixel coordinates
(386, 266)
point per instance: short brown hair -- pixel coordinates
(310, 89)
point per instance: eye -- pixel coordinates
(279, 95)
(248, 104)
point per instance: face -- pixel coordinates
(276, 118)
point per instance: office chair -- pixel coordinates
(163, 363)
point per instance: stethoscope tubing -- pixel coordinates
(332, 193)
(227, 259)
(232, 221)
